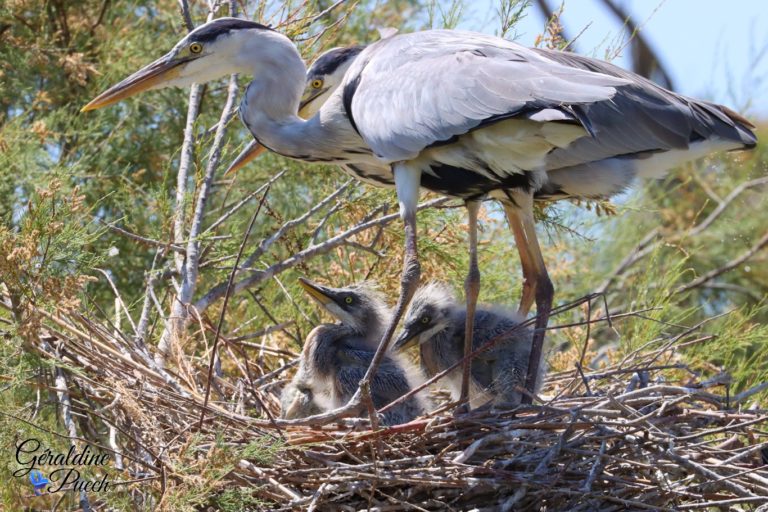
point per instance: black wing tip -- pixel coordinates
(744, 127)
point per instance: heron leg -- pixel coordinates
(471, 291)
(521, 220)
(407, 183)
(521, 241)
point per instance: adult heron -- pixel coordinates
(463, 114)
(436, 322)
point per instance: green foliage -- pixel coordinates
(236, 499)
(66, 178)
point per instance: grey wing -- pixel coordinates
(411, 91)
(389, 383)
(660, 119)
(347, 379)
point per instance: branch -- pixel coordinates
(268, 242)
(645, 62)
(647, 245)
(258, 276)
(760, 244)
(217, 336)
(120, 304)
(144, 240)
(245, 200)
(189, 278)
(185, 162)
(187, 264)
(66, 414)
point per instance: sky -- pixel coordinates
(712, 49)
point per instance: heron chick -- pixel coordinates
(359, 306)
(333, 362)
(436, 321)
(336, 356)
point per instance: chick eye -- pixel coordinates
(195, 48)
(349, 300)
(425, 319)
(316, 84)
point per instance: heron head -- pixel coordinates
(358, 306)
(430, 312)
(324, 76)
(217, 48)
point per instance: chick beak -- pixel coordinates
(316, 291)
(407, 338)
(164, 69)
(251, 152)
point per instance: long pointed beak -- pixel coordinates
(407, 338)
(162, 70)
(251, 152)
(306, 100)
(316, 291)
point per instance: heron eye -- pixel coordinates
(195, 48)
(349, 300)
(425, 319)
(316, 84)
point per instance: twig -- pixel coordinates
(66, 414)
(223, 313)
(759, 245)
(262, 275)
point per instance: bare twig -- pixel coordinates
(735, 262)
(262, 275)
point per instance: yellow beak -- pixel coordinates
(162, 70)
(251, 151)
(315, 291)
(306, 100)
(254, 149)
(405, 340)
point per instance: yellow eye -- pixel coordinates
(195, 48)
(316, 84)
(349, 300)
(425, 319)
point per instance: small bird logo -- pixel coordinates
(38, 481)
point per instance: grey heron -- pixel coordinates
(463, 114)
(436, 322)
(333, 361)
(358, 306)
(336, 356)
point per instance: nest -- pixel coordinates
(641, 434)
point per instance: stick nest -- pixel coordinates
(641, 434)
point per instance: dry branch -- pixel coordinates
(672, 444)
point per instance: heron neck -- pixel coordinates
(271, 102)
